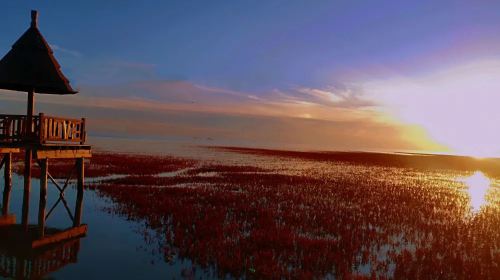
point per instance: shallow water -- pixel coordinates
(114, 247)
(127, 246)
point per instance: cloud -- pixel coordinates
(337, 97)
(298, 118)
(60, 49)
(187, 96)
(332, 96)
(226, 128)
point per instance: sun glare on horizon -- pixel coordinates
(456, 107)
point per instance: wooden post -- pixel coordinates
(27, 188)
(8, 183)
(80, 169)
(42, 128)
(30, 112)
(83, 133)
(28, 158)
(44, 165)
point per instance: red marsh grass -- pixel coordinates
(371, 222)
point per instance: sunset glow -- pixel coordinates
(276, 139)
(457, 107)
(356, 83)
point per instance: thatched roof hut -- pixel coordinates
(31, 66)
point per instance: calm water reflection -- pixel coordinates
(114, 248)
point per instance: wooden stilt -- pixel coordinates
(27, 188)
(28, 158)
(8, 183)
(80, 169)
(20, 269)
(44, 165)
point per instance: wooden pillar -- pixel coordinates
(44, 165)
(80, 169)
(31, 108)
(27, 188)
(8, 183)
(28, 158)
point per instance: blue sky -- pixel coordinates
(259, 56)
(253, 45)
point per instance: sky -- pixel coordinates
(335, 75)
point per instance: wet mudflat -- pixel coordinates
(247, 213)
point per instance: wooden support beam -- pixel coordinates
(80, 170)
(73, 232)
(9, 150)
(27, 188)
(8, 183)
(2, 162)
(44, 165)
(63, 153)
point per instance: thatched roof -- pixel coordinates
(30, 65)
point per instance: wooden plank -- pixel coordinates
(9, 219)
(7, 150)
(73, 232)
(77, 153)
(60, 119)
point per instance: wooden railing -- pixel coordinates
(13, 128)
(56, 129)
(44, 129)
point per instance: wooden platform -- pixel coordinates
(15, 236)
(47, 151)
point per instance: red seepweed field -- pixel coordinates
(311, 215)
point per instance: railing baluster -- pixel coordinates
(41, 128)
(51, 128)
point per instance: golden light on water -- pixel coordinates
(477, 187)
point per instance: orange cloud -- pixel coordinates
(302, 118)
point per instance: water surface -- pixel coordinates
(323, 215)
